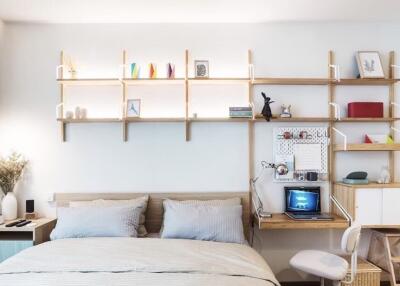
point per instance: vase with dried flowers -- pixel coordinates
(11, 168)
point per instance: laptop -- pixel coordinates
(304, 203)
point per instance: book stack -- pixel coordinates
(240, 112)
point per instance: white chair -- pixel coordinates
(329, 266)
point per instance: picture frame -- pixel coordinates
(132, 108)
(370, 64)
(201, 69)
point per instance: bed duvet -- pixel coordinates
(136, 261)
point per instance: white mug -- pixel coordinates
(82, 113)
(77, 112)
(69, 114)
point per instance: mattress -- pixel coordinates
(136, 261)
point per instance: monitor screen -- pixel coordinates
(303, 200)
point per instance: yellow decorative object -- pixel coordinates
(389, 140)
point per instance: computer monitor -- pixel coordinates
(303, 199)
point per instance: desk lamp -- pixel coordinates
(281, 169)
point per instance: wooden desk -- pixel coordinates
(282, 221)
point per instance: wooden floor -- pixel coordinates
(386, 283)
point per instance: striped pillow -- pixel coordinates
(96, 222)
(138, 202)
(203, 220)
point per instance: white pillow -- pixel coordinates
(96, 222)
(221, 223)
(225, 202)
(138, 202)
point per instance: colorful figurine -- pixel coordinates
(134, 70)
(170, 71)
(152, 71)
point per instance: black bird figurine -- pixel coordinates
(266, 111)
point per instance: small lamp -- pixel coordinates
(281, 169)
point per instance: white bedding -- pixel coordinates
(136, 261)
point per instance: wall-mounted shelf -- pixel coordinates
(359, 81)
(219, 80)
(282, 221)
(294, 119)
(91, 120)
(290, 81)
(219, 119)
(367, 147)
(152, 81)
(227, 80)
(371, 185)
(90, 81)
(159, 119)
(369, 119)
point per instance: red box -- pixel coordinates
(365, 109)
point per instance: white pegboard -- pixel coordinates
(315, 135)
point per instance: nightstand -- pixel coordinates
(14, 239)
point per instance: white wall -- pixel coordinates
(1, 34)
(156, 158)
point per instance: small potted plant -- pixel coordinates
(11, 169)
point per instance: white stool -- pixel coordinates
(329, 266)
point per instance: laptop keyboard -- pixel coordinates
(306, 214)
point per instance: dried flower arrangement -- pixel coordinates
(11, 168)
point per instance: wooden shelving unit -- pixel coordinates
(347, 193)
(279, 220)
(282, 221)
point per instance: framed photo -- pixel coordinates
(201, 69)
(132, 108)
(370, 65)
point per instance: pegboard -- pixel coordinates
(285, 147)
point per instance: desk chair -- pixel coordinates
(329, 266)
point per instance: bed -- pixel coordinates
(140, 261)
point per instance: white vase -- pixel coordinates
(9, 206)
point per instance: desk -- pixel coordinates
(282, 221)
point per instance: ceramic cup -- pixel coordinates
(82, 113)
(69, 114)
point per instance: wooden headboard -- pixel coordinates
(154, 213)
